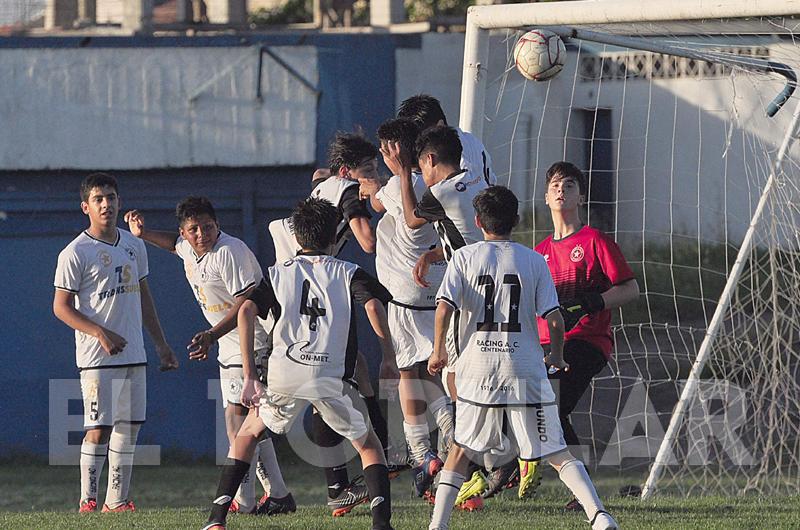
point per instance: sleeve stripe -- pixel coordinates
(241, 291)
(546, 313)
(60, 288)
(448, 302)
(144, 277)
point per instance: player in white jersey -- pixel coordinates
(426, 111)
(222, 273)
(102, 293)
(312, 298)
(411, 310)
(499, 287)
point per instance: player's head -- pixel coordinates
(438, 152)
(496, 210)
(403, 131)
(100, 199)
(565, 186)
(314, 223)
(425, 110)
(197, 222)
(352, 156)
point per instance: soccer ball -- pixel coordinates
(539, 54)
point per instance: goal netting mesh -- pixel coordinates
(678, 152)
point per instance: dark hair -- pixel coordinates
(314, 223)
(194, 207)
(97, 180)
(349, 150)
(562, 170)
(403, 130)
(425, 110)
(441, 140)
(497, 209)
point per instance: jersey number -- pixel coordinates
(313, 310)
(488, 323)
(123, 273)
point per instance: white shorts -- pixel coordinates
(231, 380)
(412, 334)
(278, 412)
(536, 429)
(113, 395)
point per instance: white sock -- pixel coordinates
(246, 493)
(277, 487)
(418, 439)
(261, 471)
(573, 474)
(443, 414)
(93, 457)
(121, 447)
(449, 484)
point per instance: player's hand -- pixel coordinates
(437, 362)
(135, 222)
(395, 158)
(111, 342)
(555, 364)
(368, 187)
(252, 390)
(574, 310)
(421, 270)
(168, 359)
(200, 346)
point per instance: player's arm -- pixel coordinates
(368, 189)
(621, 294)
(438, 359)
(259, 302)
(555, 324)
(376, 313)
(363, 232)
(424, 263)
(153, 326)
(399, 164)
(161, 239)
(202, 341)
(64, 310)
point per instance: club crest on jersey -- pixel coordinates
(577, 254)
(460, 186)
(131, 253)
(297, 352)
(235, 386)
(104, 258)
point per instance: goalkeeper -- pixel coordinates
(591, 278)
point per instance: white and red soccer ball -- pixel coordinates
(539, 54)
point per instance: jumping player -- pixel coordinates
(312, 299)
(102, 293)
(498, 286)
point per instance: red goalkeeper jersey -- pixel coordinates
(583, 262)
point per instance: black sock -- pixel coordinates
(325, 437)
(378, 420)
(233, 471)
(377, 479)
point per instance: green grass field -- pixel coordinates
(177, 496)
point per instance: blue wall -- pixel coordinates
(43, 215)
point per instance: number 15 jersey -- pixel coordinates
(499, 287)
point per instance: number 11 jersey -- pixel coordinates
(499, 287)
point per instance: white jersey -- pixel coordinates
(448, 205)
(343, 194)
(384, 236)
(499, 287)
(217, 278)
(405, 248)
(314, 347)
(104, 278)
(475, 158)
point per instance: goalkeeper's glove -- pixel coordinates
(574, 310)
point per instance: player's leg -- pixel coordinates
(573, 474)
(451, 479)
(343, 495)
(275, 412)
(129, 388)
(376, 415)
(440, 406)
(97, 421)
(342, 416)
(415, 426)
(231, 380)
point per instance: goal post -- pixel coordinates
(748, 306)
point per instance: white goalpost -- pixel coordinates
(674, 111)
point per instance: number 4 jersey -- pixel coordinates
(499, 287)
(314, 344)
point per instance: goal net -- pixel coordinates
(701, 189)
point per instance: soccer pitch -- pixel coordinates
(177, 496)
